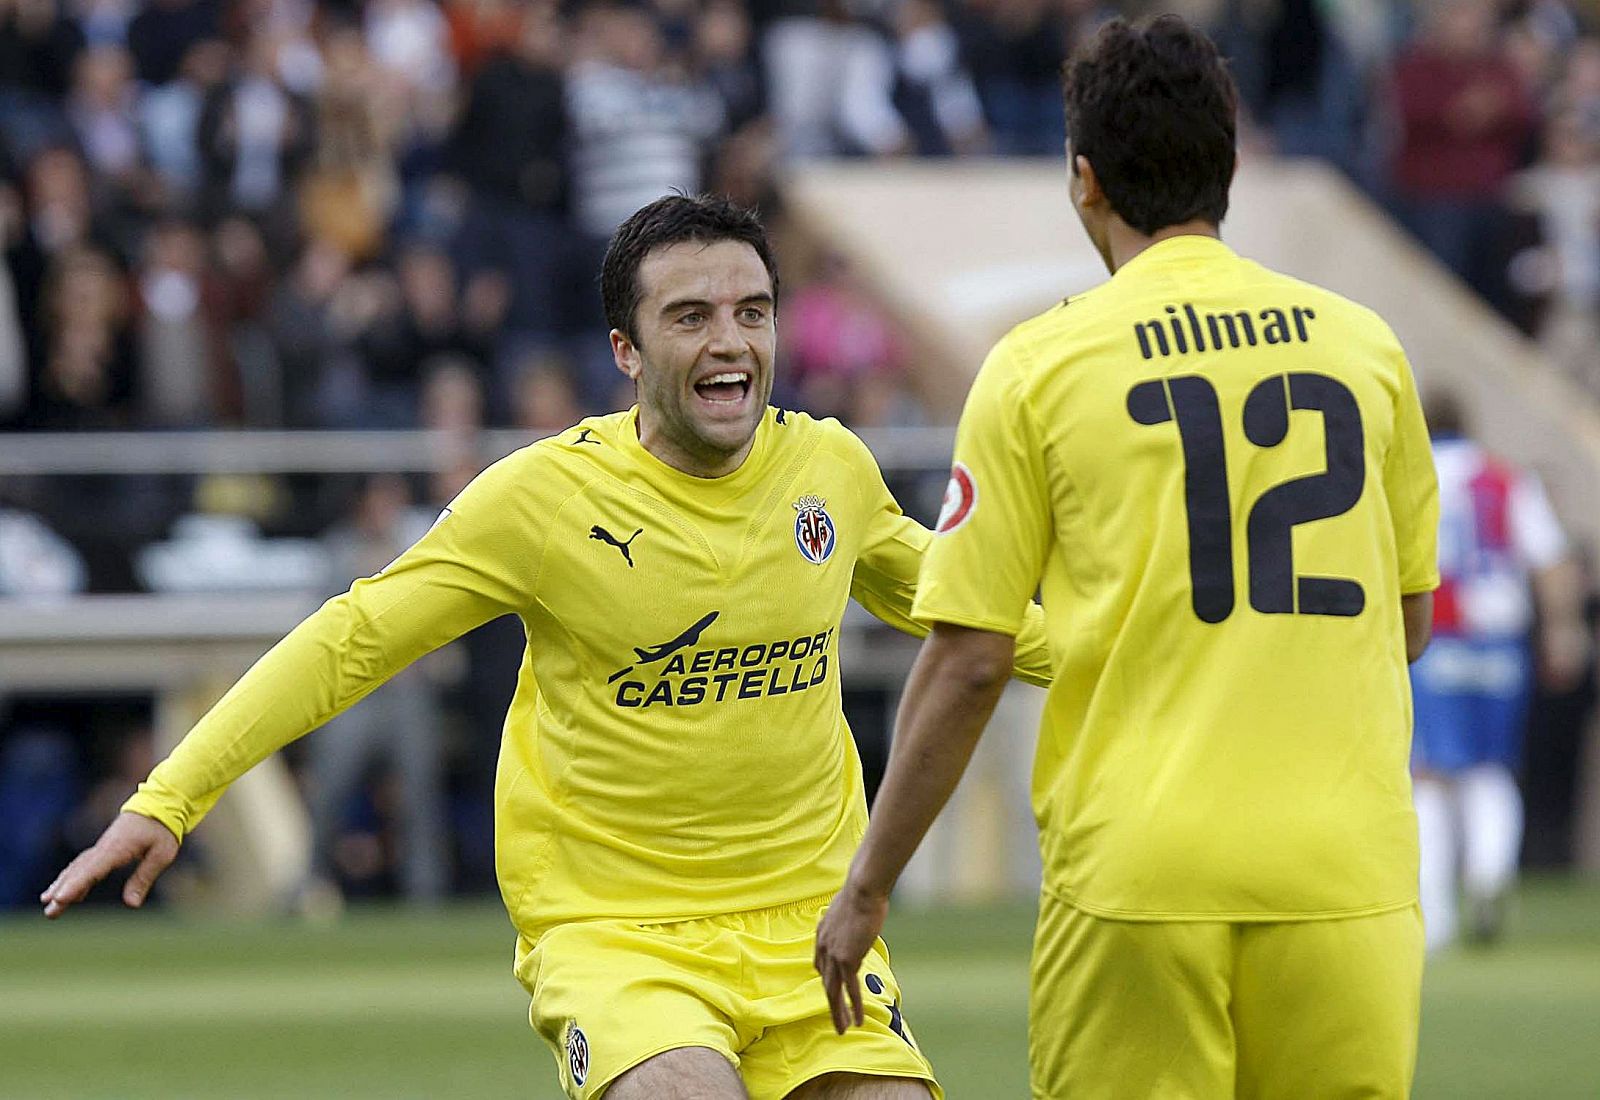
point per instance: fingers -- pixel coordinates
(74, 883)
(128, 838)
(155, 861)
(834, 982)
(843, 989)
(853, 985)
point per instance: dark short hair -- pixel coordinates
(1152, 107)
(669, 221)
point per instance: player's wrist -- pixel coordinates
(861, 892)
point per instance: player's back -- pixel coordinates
(1241, 492)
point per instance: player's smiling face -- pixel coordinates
(703, 359)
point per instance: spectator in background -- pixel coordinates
(351, 188)
(236, 303)
(1299, 79)
(640, 129)
(1015, 50)
(101, 108)
(1562, 194)
(398, 723)
(724, 61)
(509, 147)
(1465, 118)
(163, 32)
(39, 44)
(409, 43)
(452, 402)
(419, 323)
(88, 377)
(169, 119)
(482, 29)
(254, 133)
(302, 333)
(60, 215)
(180, 384)
(106, 22)
(933, 90)
(1504, 567)
(830, 84)
(544, 400)
(843, 356)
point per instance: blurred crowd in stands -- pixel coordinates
(391, 213)
(310, 212)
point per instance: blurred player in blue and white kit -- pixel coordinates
(1504, 567)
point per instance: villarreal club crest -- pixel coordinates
(814, 532)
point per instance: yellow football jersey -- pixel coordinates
(676, 746)
(1219, 479)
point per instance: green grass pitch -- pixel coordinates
(394, 1003)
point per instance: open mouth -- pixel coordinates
(727, 388)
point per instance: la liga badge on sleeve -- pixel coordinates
(960, 499)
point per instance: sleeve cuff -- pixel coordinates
(146, 805)
(932, 615)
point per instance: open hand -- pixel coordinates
(130, 837)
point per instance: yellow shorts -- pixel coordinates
(1302, 1009)
(609, 994)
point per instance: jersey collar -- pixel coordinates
(1176, 252)
(748, 469)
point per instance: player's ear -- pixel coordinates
(626, 355)
(1089, 191)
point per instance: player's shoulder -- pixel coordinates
(800, 431)
(1352, 318)
(571, 456)
(1072, 314)
(588, 439)
(1048, 336)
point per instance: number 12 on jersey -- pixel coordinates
(1275, 589)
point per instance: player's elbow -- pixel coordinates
(1417, 643)
(1418, 614)
(979, 660)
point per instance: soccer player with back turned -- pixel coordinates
(1219, 478)
(678, 794)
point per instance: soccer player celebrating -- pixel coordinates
(678, 794)
(1219, 478)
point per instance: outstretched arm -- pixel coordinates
(461, 574)
(952, 691)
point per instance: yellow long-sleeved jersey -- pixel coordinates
(676, 745)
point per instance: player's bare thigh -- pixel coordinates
(860, 1086)
(688, 1073)
(697, 1073)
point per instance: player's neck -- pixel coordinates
(1125, 242)
(655, 438)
